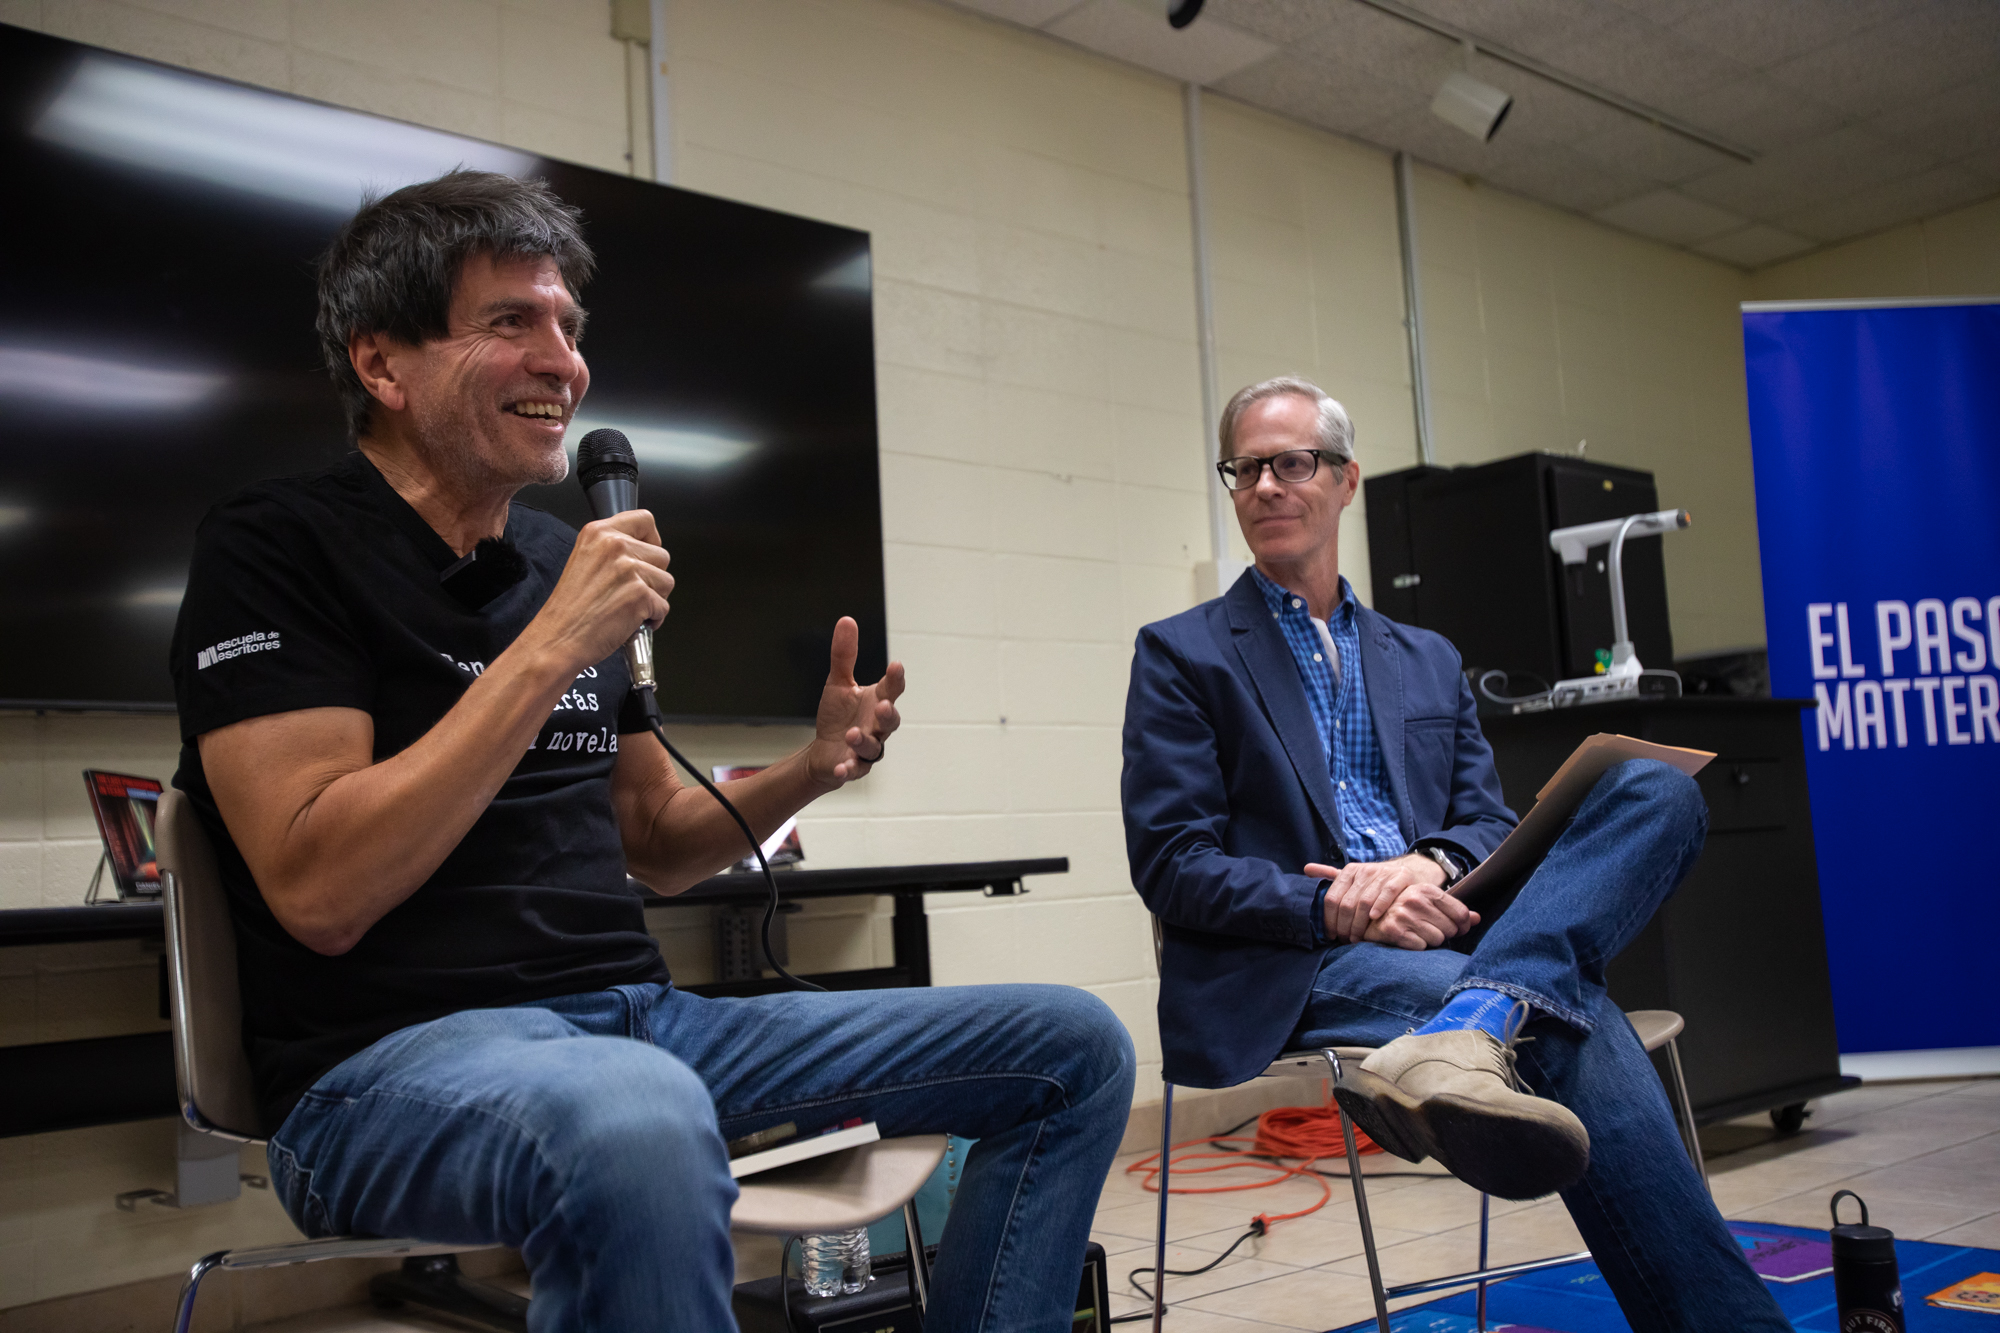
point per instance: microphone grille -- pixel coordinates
(605, 453)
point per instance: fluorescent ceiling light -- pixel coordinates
(662, 447)
(1472, 106)
(92, 384)
(249, 140)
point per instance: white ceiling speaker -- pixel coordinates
(1472, 106)
(1179, 13)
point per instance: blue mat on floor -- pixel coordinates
(1574, 1298)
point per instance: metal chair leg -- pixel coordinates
(1485, 1230)
(1684, 1111)
(1160, 1241)
(184, 1315)
(920, 1269)
(1361, 1208)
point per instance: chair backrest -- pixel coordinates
(210, 1069)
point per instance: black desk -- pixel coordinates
(907, 884)
(1739, 951)
(104, 1080)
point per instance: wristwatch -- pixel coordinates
(1453, 870)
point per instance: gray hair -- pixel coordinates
(1335, 433)
(393, 268)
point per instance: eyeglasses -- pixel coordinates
(1292, 467)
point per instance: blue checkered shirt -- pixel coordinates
(1338, 700)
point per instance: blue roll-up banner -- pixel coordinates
(1875, 433)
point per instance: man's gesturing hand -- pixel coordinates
(615, 581)
(855, 721)
(1398, 902)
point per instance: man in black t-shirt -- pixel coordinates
(402, 697)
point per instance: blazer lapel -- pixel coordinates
(1268, 660)
(1382, 671)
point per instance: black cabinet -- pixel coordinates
(1465, 551)
(1739, 951)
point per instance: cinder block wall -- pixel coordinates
(1043, 456)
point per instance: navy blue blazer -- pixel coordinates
(1226, 796)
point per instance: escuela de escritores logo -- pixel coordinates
(257, 641)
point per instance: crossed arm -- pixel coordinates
(1400, 902)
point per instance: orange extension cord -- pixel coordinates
(1302, 1134)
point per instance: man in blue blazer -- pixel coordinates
(1304, 780)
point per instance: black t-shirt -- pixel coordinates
(323, 591)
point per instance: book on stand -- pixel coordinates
(124, 806)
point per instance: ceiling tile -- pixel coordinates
(1558, 175)
(1200, 53)
(1938, 190)
(1817, 171)
(1954, 123)
(1281, 20)
(1761, 114)
(1769, 31)
(1755, 246)
(1647, 150)
(1638, 60)
(1028, 13)
(1351, 33)
(1320, 93)
(1873, 72)
(1521, 24)
(1668, 12)
(1984, 163)
(1668, 216)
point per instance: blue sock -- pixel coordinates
(1474, 1007)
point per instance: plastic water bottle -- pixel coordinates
(835, 1263)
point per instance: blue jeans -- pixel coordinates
(1642, 1209)
(588, 1131)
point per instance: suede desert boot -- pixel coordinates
(1455, 1096)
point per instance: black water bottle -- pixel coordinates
(1866, 1284)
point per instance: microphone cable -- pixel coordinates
(652, 710)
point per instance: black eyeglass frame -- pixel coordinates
(1222, 467)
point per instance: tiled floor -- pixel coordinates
(1926, 1156)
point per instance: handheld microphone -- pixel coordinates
(609, 471)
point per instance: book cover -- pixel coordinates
(1979, 1292)
(850, 1135)
(781, 848)
(124, 806)
(1776, 1257)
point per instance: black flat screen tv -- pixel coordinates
(157, 353)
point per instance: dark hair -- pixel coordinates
(394, 266)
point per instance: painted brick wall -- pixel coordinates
(1043, 460)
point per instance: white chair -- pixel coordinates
(1656, 1028)
(831, 1193)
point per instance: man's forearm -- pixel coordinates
(358, 837)
(687, 836)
